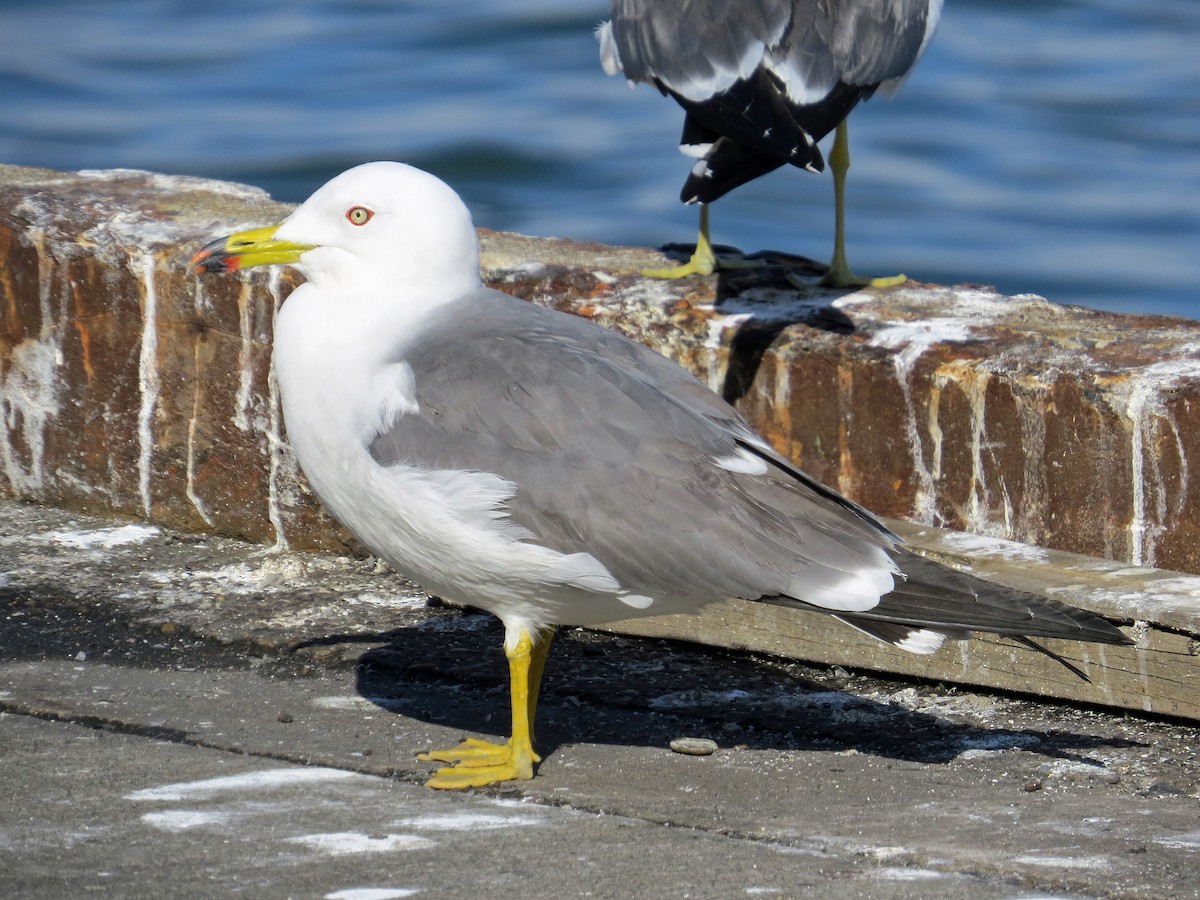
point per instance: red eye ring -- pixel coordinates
(359, 215)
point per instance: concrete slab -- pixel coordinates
(121, 815)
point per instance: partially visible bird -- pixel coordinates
(761, 81)
(538, 466)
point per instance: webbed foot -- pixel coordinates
(476, 763)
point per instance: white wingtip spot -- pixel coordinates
(743, 462)
(695, 151)
(923, 641)
(637, 601)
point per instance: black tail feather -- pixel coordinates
(933, 598)
(727, 165)
(1034, 645)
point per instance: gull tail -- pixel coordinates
(932, 603)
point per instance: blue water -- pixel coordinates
(1047, 146)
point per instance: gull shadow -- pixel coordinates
(606, 689)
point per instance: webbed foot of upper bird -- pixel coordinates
(847, 279)
(476, 763)
(705, 264)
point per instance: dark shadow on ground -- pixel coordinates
(599, 688)
(606, 689)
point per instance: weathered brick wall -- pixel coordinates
(1010, 417)
(128, 386)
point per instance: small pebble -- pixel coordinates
(285, 717)
(694, 746)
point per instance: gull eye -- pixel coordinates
(358, 215)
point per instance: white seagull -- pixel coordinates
(540, 467)
(761, 82)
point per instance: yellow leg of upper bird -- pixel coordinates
(476, 763)
(704, 260)
(839, 274)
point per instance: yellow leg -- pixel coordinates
(704, 260)
(475, 763)
(839, 274)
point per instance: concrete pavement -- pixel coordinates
(194, 717)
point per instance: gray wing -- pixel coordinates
(617, 452)
(696, 48)
(867, 42)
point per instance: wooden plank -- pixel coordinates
(1159, 609)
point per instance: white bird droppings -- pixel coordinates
(343, 843)
(178, 820)
(267, 779)
(101, 539)
(906, 873)
(148, 380)
(466, 821)
(1065, 862)
(1187, 841)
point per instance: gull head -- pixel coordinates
(381, 222)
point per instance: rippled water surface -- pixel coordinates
(1049, 147)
